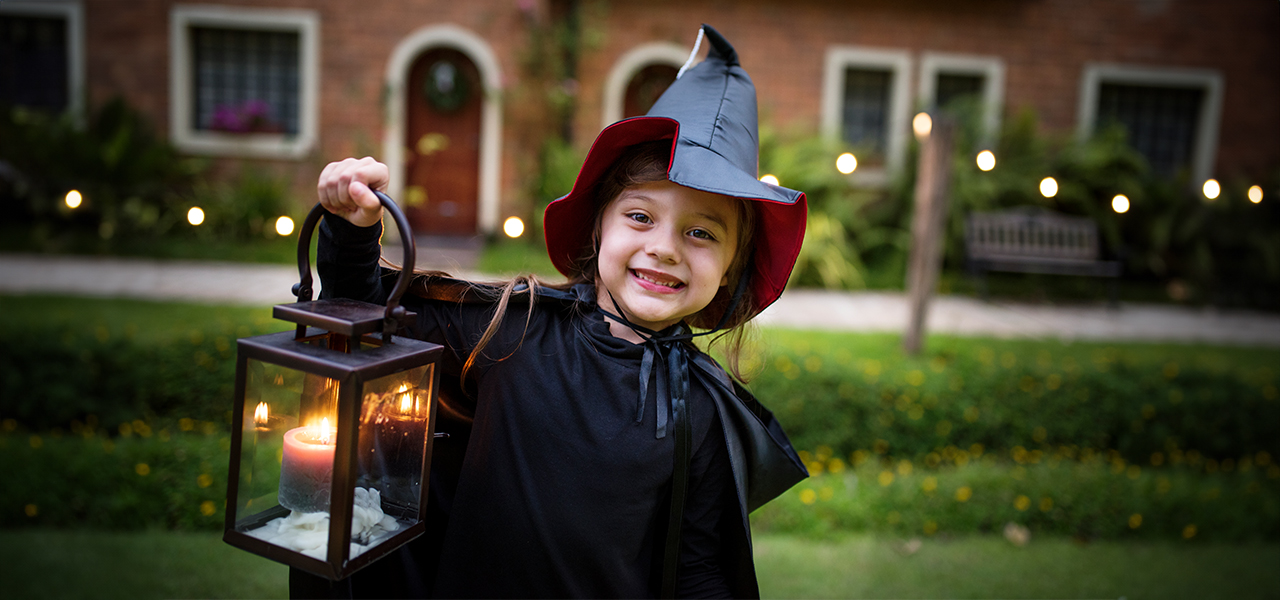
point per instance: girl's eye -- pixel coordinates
(702, 234)
(640, 218)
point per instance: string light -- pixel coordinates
(846, 163)
(1049, 187)
(513, 227)
(1255, 194)
(284, 226)
(922, 124)
(74, 198)
(195, 216)
(986, 160)
(1212, 189)
(770, 179)
(1120, 204)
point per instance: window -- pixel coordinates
(244, 81)
(948, 79)
(1170, 115)
(41, 65)
(638, 78)
(865, 105)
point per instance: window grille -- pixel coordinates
(1161, 122)
(952, 87)
(246, 81)
(866, 108)
(34, 62)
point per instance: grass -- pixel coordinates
(274, 249)
(989, 567)
(82, 564)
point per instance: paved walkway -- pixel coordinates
(801, 308)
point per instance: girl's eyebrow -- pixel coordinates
(716, 219)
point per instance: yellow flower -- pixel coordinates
(1189, 532)
(31, 510)
(1135, 521)
(930, 527)
(207, 508)
(186, 424)
(142, 469)
(964, 494)
(36, 441)
(1022, 502)
(930, 484)
(204, 480)
(885, 478)
(1046, 504)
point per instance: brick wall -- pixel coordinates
(1044, 44)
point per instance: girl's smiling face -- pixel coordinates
(665, 251)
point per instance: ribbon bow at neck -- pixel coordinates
(672, 355)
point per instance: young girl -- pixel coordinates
(594, 450)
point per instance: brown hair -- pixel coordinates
(639, 164)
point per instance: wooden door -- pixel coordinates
(442, 145)
(646, 87)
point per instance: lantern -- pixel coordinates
(333, 427)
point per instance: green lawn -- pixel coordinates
(83, 564)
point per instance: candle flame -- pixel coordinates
(326, 434)
(260, 415)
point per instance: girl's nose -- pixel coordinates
(662, 246)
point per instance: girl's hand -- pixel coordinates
(345, 189)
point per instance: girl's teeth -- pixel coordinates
(670, 285)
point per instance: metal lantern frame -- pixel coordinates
(336, 339)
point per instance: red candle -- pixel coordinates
(306, 469)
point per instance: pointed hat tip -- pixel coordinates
(720, 46)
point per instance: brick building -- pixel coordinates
(457, 96)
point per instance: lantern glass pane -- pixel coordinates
(391, 453)
(287, 457)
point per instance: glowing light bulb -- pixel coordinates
(513, 227)
(195, 216)
(1255, 194)
(846, 163)
(770, 179)
(922, 124)
(986, 160)
(1120, 204)
(74, 198)
(1049, 187)
(284, 226)
(1212, 189)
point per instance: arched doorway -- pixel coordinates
(646, 87)
(443, 113)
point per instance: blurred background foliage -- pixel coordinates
(136, 190)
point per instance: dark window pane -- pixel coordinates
(1160, 121)
(957, 87)
(245, 81)
(33, 62)
(866, 108)
(645, 88)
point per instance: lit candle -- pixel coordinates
(392, 453)
(306, 469)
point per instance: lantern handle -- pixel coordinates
(394, 313)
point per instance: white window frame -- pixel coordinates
(181, 96)
(627, 66)
(73, 12)
(898, 62)
(1205, 151)
(990, 68)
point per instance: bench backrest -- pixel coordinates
(1031, 234)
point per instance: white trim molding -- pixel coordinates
(626, 67)
(396, 78)
(990, 68)
(898, 62)
(1205, 151)
(73, 12)
(181, 95)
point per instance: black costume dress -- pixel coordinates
(564, 482)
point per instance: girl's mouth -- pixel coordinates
(657, 281)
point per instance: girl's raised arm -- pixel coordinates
(345, 189)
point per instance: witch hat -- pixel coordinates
(709, 114)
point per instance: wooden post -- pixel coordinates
(928, 229)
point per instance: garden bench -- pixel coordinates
(1035, 240)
